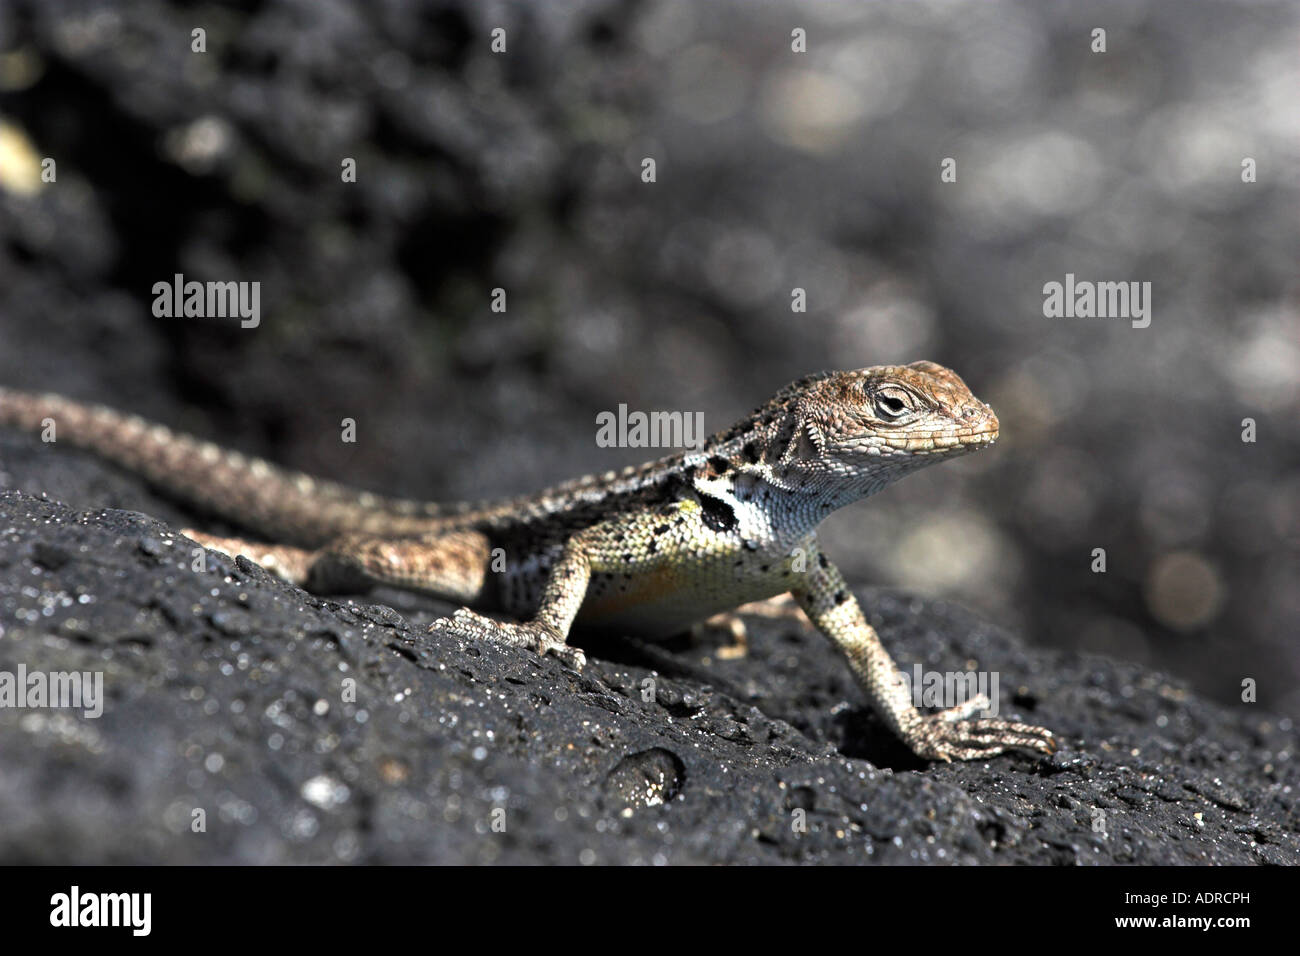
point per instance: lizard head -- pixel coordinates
(859, 430)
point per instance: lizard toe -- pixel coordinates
(539, 638)
(945, 738)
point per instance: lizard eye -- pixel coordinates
(892, 404)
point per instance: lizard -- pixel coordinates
(647, 550)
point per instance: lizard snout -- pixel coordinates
(980, 420)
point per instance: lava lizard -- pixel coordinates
(649, 549)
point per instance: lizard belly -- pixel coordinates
(665, 600)
(656, 573)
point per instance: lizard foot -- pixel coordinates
(544, 640)
(953, 734)
(731, 624)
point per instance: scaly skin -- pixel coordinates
(649, 549)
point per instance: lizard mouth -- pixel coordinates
(949, 444)
(975, 440)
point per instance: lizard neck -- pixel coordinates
(776, 500)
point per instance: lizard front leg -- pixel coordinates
(548, 631)
(951, 734)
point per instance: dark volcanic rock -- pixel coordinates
(777, 170)
(317, 730)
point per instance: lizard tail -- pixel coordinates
(283, 505)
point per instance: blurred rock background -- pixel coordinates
(775, 170)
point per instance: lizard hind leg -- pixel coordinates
(452, 565)
(732, 623)
(291, 564)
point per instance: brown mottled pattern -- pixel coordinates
(649, 549)
(278, 503)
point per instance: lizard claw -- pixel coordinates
(544, 640)
(573, 656)
(953, 734)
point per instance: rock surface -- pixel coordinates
(777, 170)
(227, 693)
